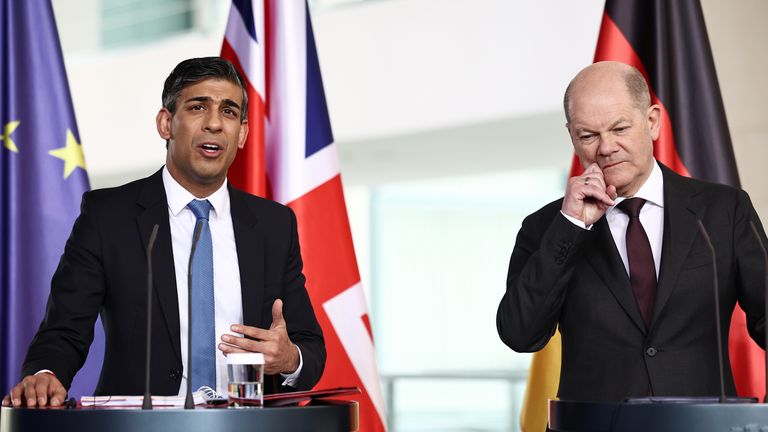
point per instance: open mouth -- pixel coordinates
(211, 148)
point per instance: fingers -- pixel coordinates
(591, 184)
(37, 390)
(277, 314)
(17, 392)
(280, 354)
(41, 390)
(229, 349)
(29, 386)
(252, 332)
(586, 196)
(57, 393)
(234, 343)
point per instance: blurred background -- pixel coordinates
(448, 119)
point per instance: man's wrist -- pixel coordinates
(290, 379)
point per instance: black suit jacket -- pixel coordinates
(560, 274)
(103, 271)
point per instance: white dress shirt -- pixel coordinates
(226, 271)
(651, 216)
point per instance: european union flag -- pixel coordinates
(42, 178)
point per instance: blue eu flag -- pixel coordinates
(42, 178)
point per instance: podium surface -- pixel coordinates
(324, 416)
(570, 416)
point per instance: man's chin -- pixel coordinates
(616, 181)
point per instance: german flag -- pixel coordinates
(667, 41)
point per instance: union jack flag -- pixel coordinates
(291, 158)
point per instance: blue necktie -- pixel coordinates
(203, 335)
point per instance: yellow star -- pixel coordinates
(7, 131)
(71, 154)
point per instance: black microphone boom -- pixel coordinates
(189, 403)
(717, 309)
(147, 404)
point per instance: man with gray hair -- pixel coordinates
(619, 263)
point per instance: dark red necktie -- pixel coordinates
(642, 270)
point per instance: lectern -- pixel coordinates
(699, 416)
(319, 416)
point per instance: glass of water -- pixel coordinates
(245, 372)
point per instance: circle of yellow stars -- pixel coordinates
(71, 153)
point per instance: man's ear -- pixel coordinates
(653, 116)
(243, 134)
(163, 121)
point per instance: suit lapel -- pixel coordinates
(682, 209)
(605, 260)
(249, 240)
(153, 200)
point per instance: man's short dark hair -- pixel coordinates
(194, 70)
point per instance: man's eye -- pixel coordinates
(197, 107)
(621, 129)
(586, 137)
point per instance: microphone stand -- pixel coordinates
(717, 310)
(147, 403)
(189, 402)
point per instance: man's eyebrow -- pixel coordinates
(617, 122)
(199, 99)
(583, 129)
(230, 103)
(226, 102)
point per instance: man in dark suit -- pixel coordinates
(261, 304)
(632, 295)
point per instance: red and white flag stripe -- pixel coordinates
(290, 157)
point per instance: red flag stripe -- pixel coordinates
(248, 171)
(326, 240)
(330, 263)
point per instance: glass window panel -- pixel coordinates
(126, 22)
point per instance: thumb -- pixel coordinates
(277, 314)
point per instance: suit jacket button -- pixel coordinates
(651, 351)
(173, 374)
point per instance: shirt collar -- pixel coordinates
(178, 197)
(651, 191)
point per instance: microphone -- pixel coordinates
(765, 290)
(189, 403)
(147, 404)
(717, 309)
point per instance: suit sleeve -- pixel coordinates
(543, 261)
(77, 289)
(303, 328)
(750, 266)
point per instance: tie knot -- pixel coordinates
(200, 208)
(632, 206)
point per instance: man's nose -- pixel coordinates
(608, 145)
(213, 121)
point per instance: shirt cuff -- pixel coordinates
(293, 378)
(578, 222)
